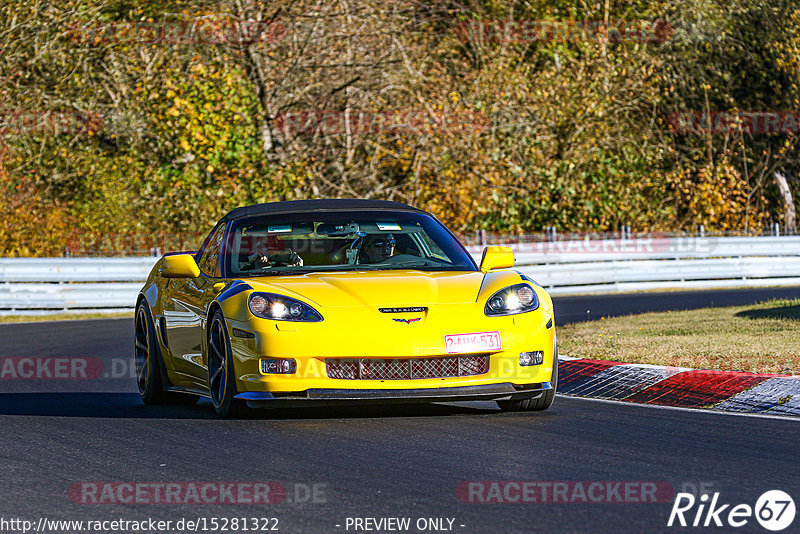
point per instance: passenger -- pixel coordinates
(266, 253)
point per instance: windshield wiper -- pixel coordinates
(410, 262)
(280, 272)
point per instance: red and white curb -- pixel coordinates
(679, 386)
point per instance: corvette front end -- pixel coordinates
(399, 341)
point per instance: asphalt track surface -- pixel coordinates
(398, 461)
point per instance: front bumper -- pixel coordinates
(310, 346)
(363, 333)
(502, 391)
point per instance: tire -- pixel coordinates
(539, 404)
(147, 358)
(150, 372)
(221, 379)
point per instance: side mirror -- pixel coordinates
(495, 257)
(180, 266)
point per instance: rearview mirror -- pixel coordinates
(496, 257)
(180, 266)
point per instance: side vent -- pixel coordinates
(162, 331)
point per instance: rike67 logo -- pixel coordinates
(774, 510)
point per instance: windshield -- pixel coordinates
(312, 242)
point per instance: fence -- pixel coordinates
(563, 267)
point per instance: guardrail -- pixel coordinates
(642, 263)
(107, 284)
(563, 267)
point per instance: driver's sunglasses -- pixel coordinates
(382, 244)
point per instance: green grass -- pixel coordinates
(761, 338)
(62, 317)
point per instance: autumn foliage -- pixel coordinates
(119, 133)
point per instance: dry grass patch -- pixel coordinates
(762, 338)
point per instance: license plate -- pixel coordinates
(477, 342)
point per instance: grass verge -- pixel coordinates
(62, 317)
(762, 338)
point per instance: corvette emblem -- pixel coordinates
(404, 310)
(408, 321)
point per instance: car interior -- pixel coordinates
(322, 244)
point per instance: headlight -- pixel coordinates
(519, 298)
(280, 308)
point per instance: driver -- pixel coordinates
(377, 248)
(267, 254)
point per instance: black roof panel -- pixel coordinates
(301, 206)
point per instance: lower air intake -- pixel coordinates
(407, 368)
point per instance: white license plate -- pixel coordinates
(477, 342)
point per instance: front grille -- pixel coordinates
(407, 368)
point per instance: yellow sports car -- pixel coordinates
(288, 303)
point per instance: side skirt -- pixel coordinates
(191, 391)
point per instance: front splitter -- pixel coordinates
(502, 391)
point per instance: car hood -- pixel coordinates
(378, 288)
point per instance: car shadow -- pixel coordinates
(777, 312)
(129, 405)
(91, 404)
